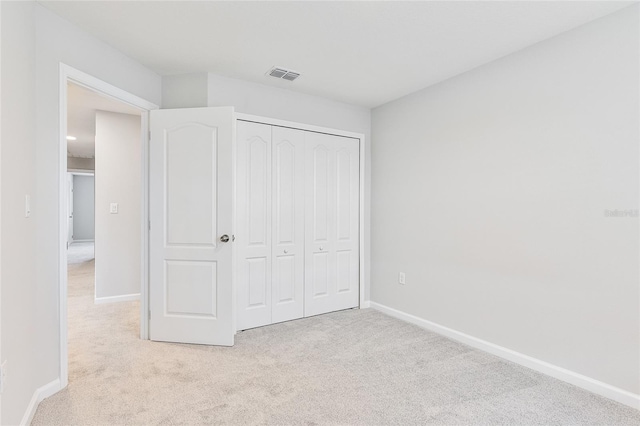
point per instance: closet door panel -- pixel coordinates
(343, 194)
(253, 238)
(288, 224)
(284, 280)
(320, 276)
(347, 234)
(256, 278)
(320, 260)
(332, 227)
(343, 271)
(320, 191)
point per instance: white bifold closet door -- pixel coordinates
(297, 207)
(287, 284)
(253, 231)
(332, 219)
(270, 212)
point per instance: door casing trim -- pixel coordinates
(69, 74)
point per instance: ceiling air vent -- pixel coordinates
(283, 73)
(291, 76)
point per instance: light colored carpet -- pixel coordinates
(352, 367)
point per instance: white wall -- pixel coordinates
(258, 99)
(83, 207)
(118, 180)
(34, 42)
(185, 90)
(490, 190)
(268, 101)
(19, 289)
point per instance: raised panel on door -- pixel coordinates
(253, 236)
(191, 180)
(191, 288)
(320, 224)
(288, 224)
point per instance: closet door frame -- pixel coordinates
(362, 150)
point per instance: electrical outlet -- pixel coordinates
(402, 278)
(3, 375)
(113, 208)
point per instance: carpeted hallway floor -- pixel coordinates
(351, 367)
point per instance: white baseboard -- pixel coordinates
(113, 299)
(584, 382)
(40, 394)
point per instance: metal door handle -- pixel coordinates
(286, 251)
(224, 238)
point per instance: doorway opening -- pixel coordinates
(103, 225)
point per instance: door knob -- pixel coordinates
(224, 238)
(320, 248)
(286, 251)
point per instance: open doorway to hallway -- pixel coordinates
(104, 165)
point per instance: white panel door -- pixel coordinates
(331, 228)
(253, 237)
(191, 292)
(288, 224)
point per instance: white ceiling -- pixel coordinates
(82, 105)
(361, 52)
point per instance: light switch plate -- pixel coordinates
(113, 209)
(402, 279)
(27, 206)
